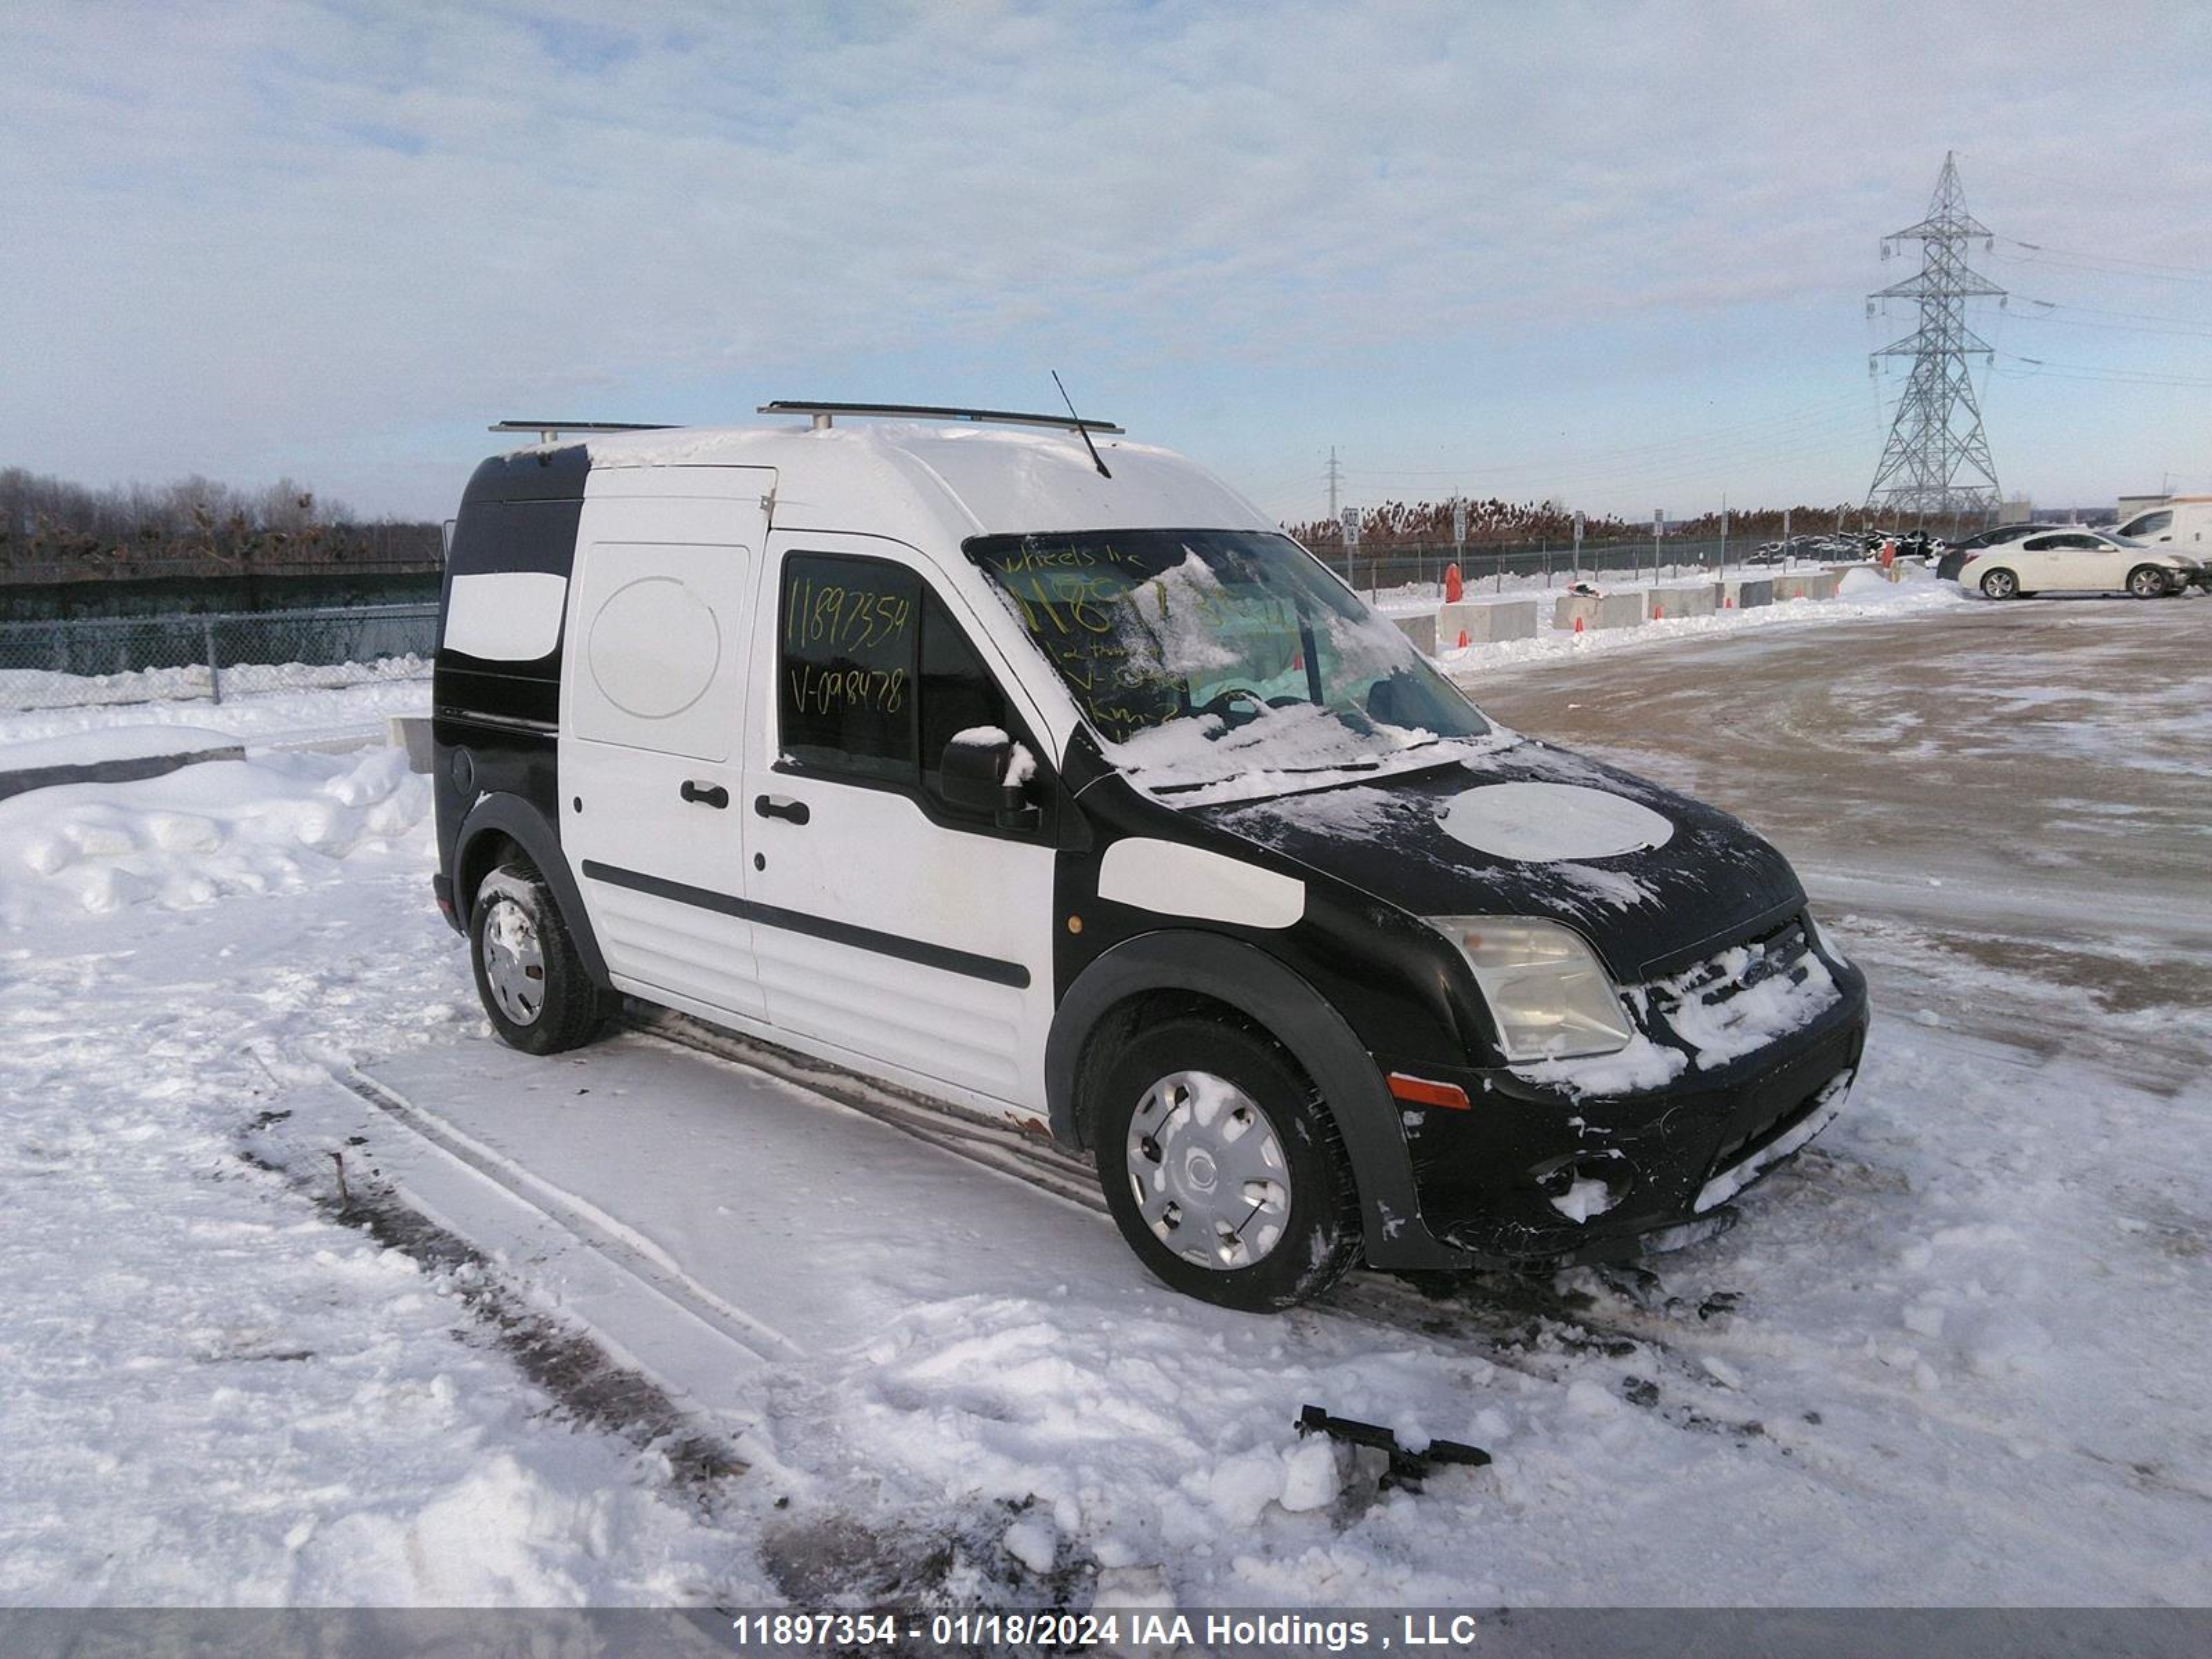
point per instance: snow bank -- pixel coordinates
(43, 689)
(302, 713)
(1870, 595)
(195, 835)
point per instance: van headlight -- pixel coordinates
(1549, 994)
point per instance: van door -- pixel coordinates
(890, 928)
(653, 706)
(2150, 527)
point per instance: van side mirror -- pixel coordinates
(974, 774)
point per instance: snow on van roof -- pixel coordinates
(977, 479)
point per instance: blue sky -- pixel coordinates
(1612, 254)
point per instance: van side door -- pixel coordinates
(653, 708)
(892, 929)
(2156, 526)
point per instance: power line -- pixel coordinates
(2107, 264)
(2096, 371)
(2100, 310)
(2120, 328)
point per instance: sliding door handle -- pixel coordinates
(781, 806)
(705, 794)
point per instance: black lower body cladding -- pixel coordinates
(1529, 1174)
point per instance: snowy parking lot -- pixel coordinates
(318, 1294)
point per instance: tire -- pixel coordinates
(2147, 581)
(2000, 583)
(519, 944)
(1156, 1092)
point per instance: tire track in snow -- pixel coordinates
(635, 1254)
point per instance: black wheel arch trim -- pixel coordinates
(512, 816)
(1296, 1015)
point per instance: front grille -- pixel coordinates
(1721, 978)
(1762, 1134)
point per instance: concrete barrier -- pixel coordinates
(1746, 593)
(412, 733)
(1421, 629)
(1508, 619)
(1807, 585)
(1701, 600)
(1600, 610)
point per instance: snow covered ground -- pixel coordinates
(642, 1324)
(299, 706)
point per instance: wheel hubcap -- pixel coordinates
(1208, 1171)
(514, 962)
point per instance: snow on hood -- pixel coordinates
(1205, 762)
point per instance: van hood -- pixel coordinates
(1654, 879)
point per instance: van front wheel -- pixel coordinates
(1223, 1168)
(535, 989)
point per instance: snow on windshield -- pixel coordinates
(1200, 657)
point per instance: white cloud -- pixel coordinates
(332, 240)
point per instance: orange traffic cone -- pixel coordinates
(1578, 624)
(1658, 613)
(1463, 639)
(1454, 587)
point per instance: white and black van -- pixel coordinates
(1038, 772)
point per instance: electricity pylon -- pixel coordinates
(1937, 459)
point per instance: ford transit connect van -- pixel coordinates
(1038, 772)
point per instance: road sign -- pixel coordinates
(1351, 527)
(1459, 522)
(1578, 530)
(1658, 521)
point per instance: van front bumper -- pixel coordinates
(1531, 1174)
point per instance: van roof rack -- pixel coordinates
(822, 413)
(547, 431)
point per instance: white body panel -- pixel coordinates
(507, 616)
(655, 684)
(870, 858)
(1170, 879)
(2182, 525)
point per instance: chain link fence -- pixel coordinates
(122, 659)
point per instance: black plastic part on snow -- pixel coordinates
(1407, 1468)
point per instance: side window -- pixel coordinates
(2151, 524)
(957, 691)
(849, 631)
(875, 676)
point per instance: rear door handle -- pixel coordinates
(781, 806)
(705, 794)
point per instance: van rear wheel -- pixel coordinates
(535, 989)
(1222, 1169)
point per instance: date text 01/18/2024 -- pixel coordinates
(1070, 1632)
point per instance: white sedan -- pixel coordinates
(2077, 561)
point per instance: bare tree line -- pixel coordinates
(1495, 522)
(52, 529)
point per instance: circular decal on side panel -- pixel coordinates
(654, 646)
(1539, 822)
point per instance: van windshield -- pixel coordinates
(1202, 655)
